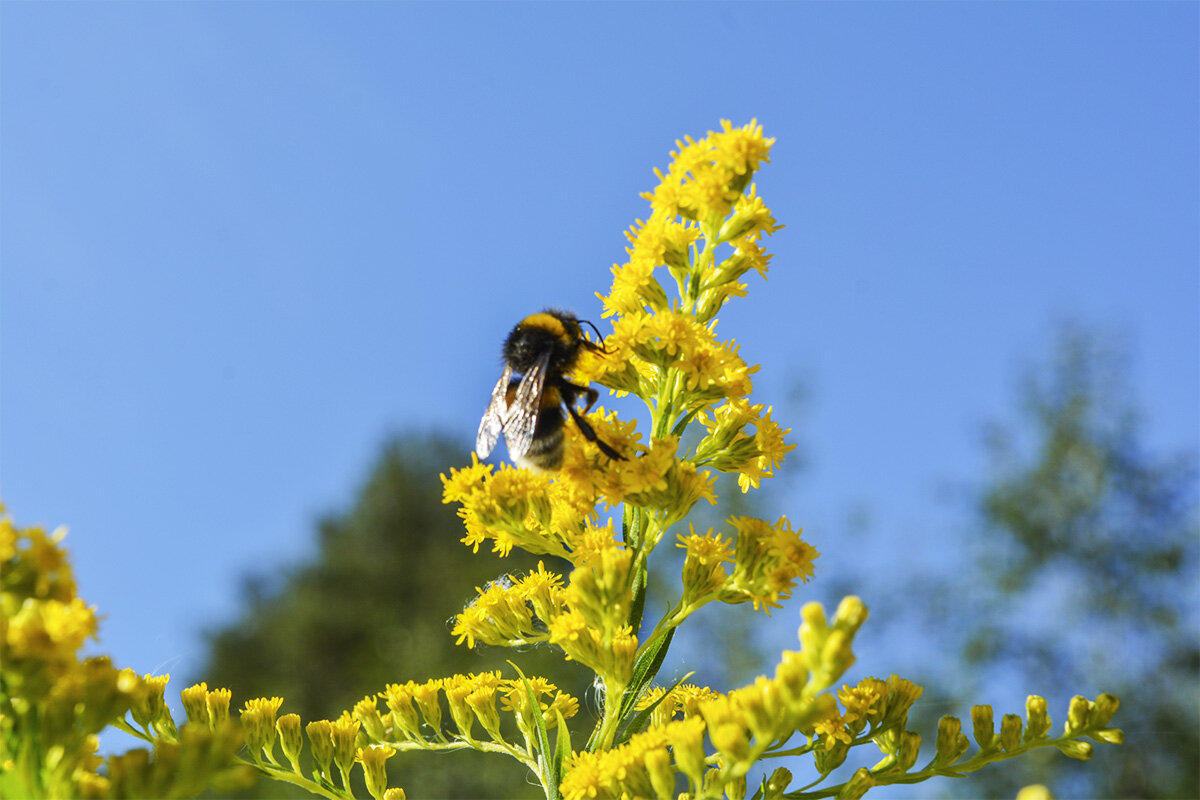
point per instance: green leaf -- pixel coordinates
(645, 669)
(562, 745)
(684, 421)
(548, 757)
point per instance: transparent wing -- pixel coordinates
(493, 419)
(523, 413)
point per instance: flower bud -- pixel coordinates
(320, 738)
(858, 785)
(1075, 748)
(777, 784)
(910, 749)
(195, 703)
(374, 770)
(1103, 709)
(662, 777)
(1038, 719)
(951, 741)
(290, 739)
(1010, 732)
(218, 706)
(1077, 714)
(984, 725)
(366, 711)
(345, 736)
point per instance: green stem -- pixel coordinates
(609, 722)
(121, 724)
(978, 761)
(296, 779)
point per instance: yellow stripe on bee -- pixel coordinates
(546, 322)
(551, 397)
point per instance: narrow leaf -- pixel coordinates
(547, 756)
(638, 722)
(645, 669)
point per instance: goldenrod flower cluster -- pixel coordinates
(604, 518)
(704, 234)
(482, 711)
(741, 726)
(666, 352)
(53, 703)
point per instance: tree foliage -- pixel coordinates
(1087, 546)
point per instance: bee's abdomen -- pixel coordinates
(546, 450)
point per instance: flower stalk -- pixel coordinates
(705, 232)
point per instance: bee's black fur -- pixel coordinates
(558, 335)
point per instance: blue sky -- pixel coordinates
(243, 242)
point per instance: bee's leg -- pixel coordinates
(589, 433)
(571, 392)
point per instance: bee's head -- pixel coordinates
(554, 331)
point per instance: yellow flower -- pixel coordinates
(768, 559)
(686, 738)
(768, 437)
(426, 695)
(372, 759)
(658, 765)
(741, 149)
(704, 568)
(620, 772)
(564, 704)
(751, 219)
(570, 631)
(49, 633)
(288, 727)
(832, 729)
(594, 543)
(729, 448)
(498, 615)
(901, 694)
(399, 699)
(462, 484)
(344, 731)
(690, 698)
(587, 777)
(195, 702)
(657, 242)
(707, 176)
(617, 369)
(218, 706)
(482, 700)
(320, 738)
(514, 697)
(258, 720)
(150, 704)
(863, 703)
(544, 591)
(366, 711)
(457, 688)
(600, 590)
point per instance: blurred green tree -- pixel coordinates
(1087, 551)
(372, 607)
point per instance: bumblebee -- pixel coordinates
(541, 348)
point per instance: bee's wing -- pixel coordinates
(523, 413)
(493, 419)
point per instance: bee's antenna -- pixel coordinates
(600, 346)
